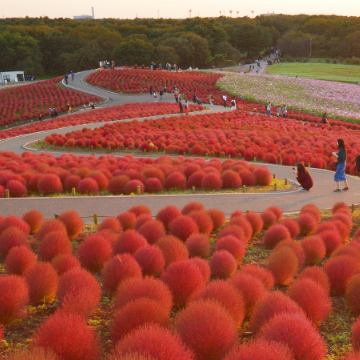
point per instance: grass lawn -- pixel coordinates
(331, 72)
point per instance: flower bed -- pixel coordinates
(29, 101)
(235, 134)
(47, 175)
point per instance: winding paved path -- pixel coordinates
(321, 195)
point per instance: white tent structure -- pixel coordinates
(11, 76)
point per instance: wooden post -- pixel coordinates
(255, 159)
(275, 186)
(286, 182)
(95, 219)
(138, 190)
(274, 176)
(73, 190)
(352, 208)
(243, 188)
(193, 189)
(7, 193)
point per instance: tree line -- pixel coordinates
(55, 46)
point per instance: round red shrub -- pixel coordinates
(233, 230)
(167, 215)
(14, 221)
(140, 210)
(129, 242)
(153, 185)
(154, 342)
(271, 304)
(260, 349)
(16, 189)
(314, 249)
(151, 260)
(73, 223)
(50, 226)
(54, 243)
(42, 280)
(136, 313)
(192, 206)
(305, 343)
(173, 249)
(350, 248)
(292, 226)
(71, 181)
(339, 207)
(250, 287)
(247, 178)
(175, 180)
(94, 252)
(152, 231)
(34, 219)
(79, 292)
(307, 223)
(99, 177)
(340, 269)
(231, 179)
(203, 266)
(331, 239)
(284, 265)
(312, 209)
(141, 220)
(184, 280)
(198, 245)
(318, 275)
(19, 259)
(50, 184)
(10, 238)
(355, 335)
(296, 247)
(312, 298)
(151, 288)
(217, 217)
(117, 184)
(342, 229)
(193, 324)
(203, 221)
(127, 220)
(14, 298)
(118, 269)
(277, 211)
(32, 354)
(211, 181)
(262, 176)
(265, 276)
(233, 245)
(346, 219)
(68, 336)
(268, 218)
(244, 224)
(110, 223)
(195, 179)
(352, 296)
(88, 186)
(275, 235)
(222, 264)
(133, 185)
(255, 221)
(64, 262)
(183, 226)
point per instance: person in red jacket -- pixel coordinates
(303, 177)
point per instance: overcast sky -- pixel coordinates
(173, 9)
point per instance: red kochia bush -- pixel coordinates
(173, 249)
(68, 336)
(32, 354)
(231, 179)
(119, 268)
(260, 349)
(227, 296)
(64, 262)
(255, 221)
(54, 243)
(134, 288)
(198, 245)
(35, 219)
(153, 185)
(250, 287)
(129, 242)
(152, 231)
(234, 246)
(13, 220)
(342, 229)
(203, 221)
(50, 184)
(296, 247)
(10, 238)
(331, 239)
(305, 343)
(14, 298)
(16, 189)
(151, 260)
(284, 265)
(73, 223)
(262, 176)
(312, 298)
(42, 279)
(175, 180)
(127, 220)
(203, 266)
(193, 325)
(352, 296)
(277, 211)
(132, 187)
(184, 279)
(167, 215)
(339, 270)
(265, 276)
(318, 275)
(346, 219)
(314, 249)
(312, 209)
(211, 181)
(222, 264)
(49, 226)
(79, 292)
(110, 223)
(154, 342)
(19, 259)
(139, 210)
(275, 235)
(141, 220)
(136, 313)
(233, 230)
(183, 226)
(192, 206)
(339, 207)
(94, 252)
(245, 225)
(88, 186)
(307, 223)
(217, 217)
(292, 226)
(117, 184)
(355, 335)
(269, 218)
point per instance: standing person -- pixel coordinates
(161, 94)
(268, 109)
(176, 97)
(152, 65)
(187, 106)
(224, 99)
(155, 96)
(194, 98)
(55, 112)
(278, 113)
(51, 112)
(211, 99)
(181, 107)
(165, 91)
(65, 78)
(303, 177)
(340, 165)
(68, 108)
(233, 104)
(151, 91)
(160, 66)
(284, 111)
(324, 119)
(72, 75)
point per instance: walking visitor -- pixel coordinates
(155, 96)
(303, 177)
(72, 75)
(278, 111)
(161, 94)
(224, 99)
(268, 109)
(181, 107)
(233, 104)
(340, 165)
(284, 111)
(324, 119)
(151, 90)
(211, 99)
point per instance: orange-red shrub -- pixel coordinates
(262, 176)
(312, 209)
(117, 184)
(245, 225)
(277, 211)
(346, 219)
(233, 230)
(269, 218)
(265, 276)
(13, 220)
(173, 249)
(203, 266)
(153, 185)
(64, 262)
(314, 249)
(88, 186)
(35, 219)
(217, 217)
(352, 296)
(292, 226)
(355, 335)
(129, 242)
(10, 238)
(331, 239)
(141, 220)
(275, 235)
(255, 221)
(183, 226)
(203, 221)
(127, 220)
(296, 247)
(54, 243)
(50, 184)
(318, 275)
(175, 180)
(233, 245)
(19, 259)
(110, 223)
(139, 210)
(211, 181)
(307, 223)
(231, 179)
(133, 185)
(152, 231)
(167, 215)
(222, 264)
(50, 226)
(198, 245)
(73, 223)
(151, 260)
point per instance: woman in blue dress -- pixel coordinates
(341, 164)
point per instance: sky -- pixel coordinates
(124, 9)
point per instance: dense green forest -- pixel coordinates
(54, 46)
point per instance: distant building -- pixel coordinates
(85, 17)
(11, 76)
(269, 14)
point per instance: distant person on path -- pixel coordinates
(161, 94)
(194, 98)
(211, 99)
(324, 119)
(65, 78)
(165, 91)
(151, 90)
(55, 113)
(72, 75)
(268, 109)
(160, 66)
(198, 101)
(303, 177)
(176, 97)
(233, 104)
(340, 165)
(155, 96)
(284, 111)
(224, 99)
(186, 104)
(278, 111)
(181, 107)
(51, 112)
(91, 104)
